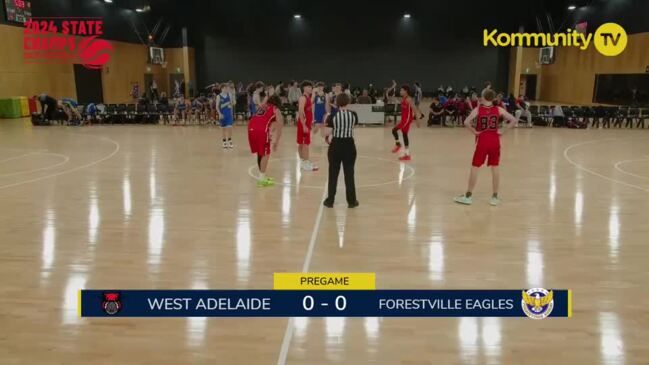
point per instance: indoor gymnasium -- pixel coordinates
(292, 182)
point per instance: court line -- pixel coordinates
(618, 168)
(65, 160)
(580, 167)
(288, 333)
(15, 157)
(117, 147)
(399, 181)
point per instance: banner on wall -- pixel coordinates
(74, 40)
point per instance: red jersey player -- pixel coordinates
(487, 135)
(265, 126)
(304, 124)
(408, 110)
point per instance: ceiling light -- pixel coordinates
(297, 16)
(139, 10)
(406, 15)
(572, 7)
(108, 1)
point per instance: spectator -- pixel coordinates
(364, 98)
(462, 107)
(386, 97)
(473, 101)
(153, 90)
(48, 105)
(294, 93)
(511, 104)
(418, 93)
(442, 99)
(69, 106)
(135, 91)
(450, 110)
(232, 92)
(346, 90)
(522, 110)
(91, 112)
(436, 112)
(255, 97)
(498, 101)
(371, 91)
(163, 99)
(270, 91)
(391, 91)
(558, 117)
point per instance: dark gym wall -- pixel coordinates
(361, 42)
(471, 65)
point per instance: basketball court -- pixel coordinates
(159, 208)
(127, 178)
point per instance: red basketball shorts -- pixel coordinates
(303, 134)
(259, 141)
(487, 149)
(404, 126)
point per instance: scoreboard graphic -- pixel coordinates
(18, 11)
(326, 295)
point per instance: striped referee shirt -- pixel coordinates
(342, 122)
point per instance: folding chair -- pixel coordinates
(389, 110)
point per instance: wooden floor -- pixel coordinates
(164, 207)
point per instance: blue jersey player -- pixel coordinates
(319, 107)
(226, 116)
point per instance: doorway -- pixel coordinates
(528, 86)
(88, 84)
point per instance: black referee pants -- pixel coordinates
(342, 151)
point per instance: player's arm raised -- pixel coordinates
(469, 119)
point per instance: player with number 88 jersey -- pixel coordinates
(487, 118)
(488, 138)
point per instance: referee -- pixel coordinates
(342, 150)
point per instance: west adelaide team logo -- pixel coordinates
(112, 303)
(537, 303)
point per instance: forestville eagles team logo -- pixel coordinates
(111, 304)
(537, 303)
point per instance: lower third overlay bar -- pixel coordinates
(535, 303)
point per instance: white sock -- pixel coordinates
(407, 151)
(262, 176)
